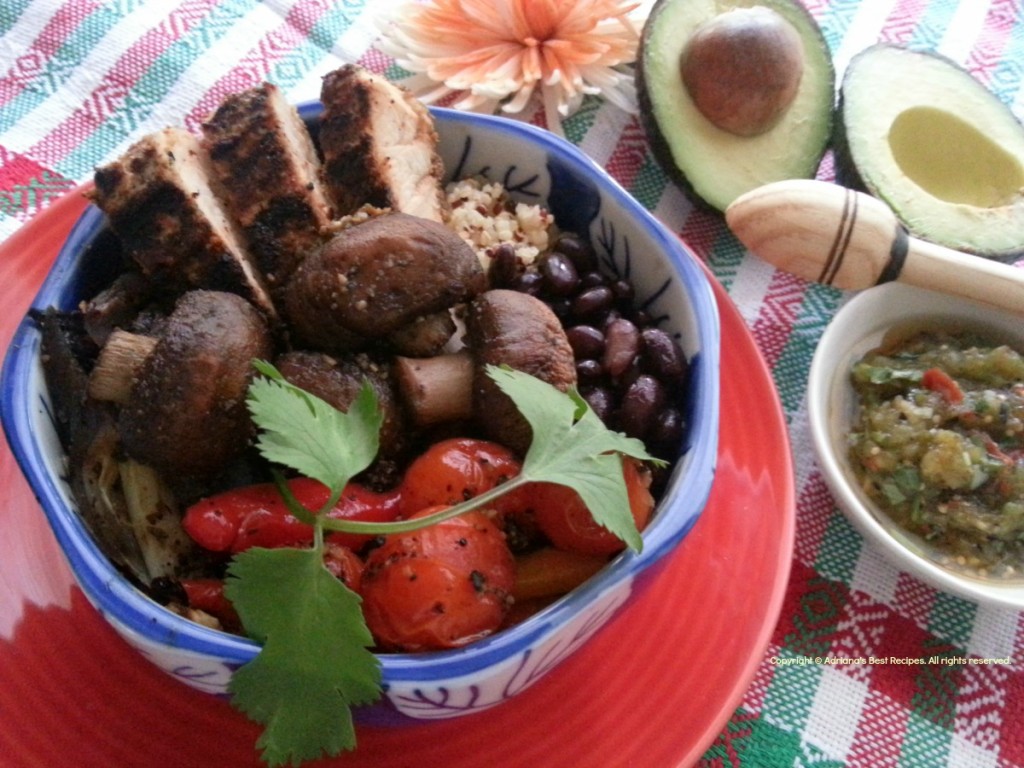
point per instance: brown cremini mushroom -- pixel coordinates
(183, 394)
(504, 327)
(375, 278)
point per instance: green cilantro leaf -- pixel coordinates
(315, 662)
(573, 447)
(307, 434)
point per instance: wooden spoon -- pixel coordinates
(836, 236)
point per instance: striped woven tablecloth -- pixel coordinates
(81, 79)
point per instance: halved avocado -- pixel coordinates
(717, 165)
(919, 132)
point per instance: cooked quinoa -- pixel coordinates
(486, 217)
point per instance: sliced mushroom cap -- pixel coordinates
(376, 277)
(518, 330)
(186, 412)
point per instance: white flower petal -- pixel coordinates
(520, 100)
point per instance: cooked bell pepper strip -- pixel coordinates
(548, 572)
(256, 515)
(207, 595)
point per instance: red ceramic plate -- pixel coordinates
(654, 688)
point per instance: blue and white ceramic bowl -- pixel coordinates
(538, 168)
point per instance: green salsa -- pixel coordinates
(938, 445)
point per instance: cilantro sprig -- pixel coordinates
(315, 662)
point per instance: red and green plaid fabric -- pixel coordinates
(80, 79)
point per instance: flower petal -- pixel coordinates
(497, 52)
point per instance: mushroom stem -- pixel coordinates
(118, 364)
(436, 389)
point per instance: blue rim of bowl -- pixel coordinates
(119, 600)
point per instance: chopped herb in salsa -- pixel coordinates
(939, 445)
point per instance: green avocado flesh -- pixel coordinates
(714, 165)
(919, 132)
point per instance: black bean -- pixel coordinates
(662, 357)
(593, 302)
(528, 282)
(640, 407)
(624, 293)
(625, 380)
(621, 346)
(601, 400)
(610, 316)
(562, 307)
(504, 266)
(641, 318)
(592, 279)
(667, 430)
(586, 341)
(578, 250)
(589, 371)
(559, 273)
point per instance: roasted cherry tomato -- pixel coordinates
(207, 595)
(256, 515)
(344, 564)
(564, 519)
(454, 470)
(439, 587)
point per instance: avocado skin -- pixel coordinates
(660, 148)
(846, 171)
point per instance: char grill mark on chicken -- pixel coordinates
(161, 201)
(268, 169)
(379, 146)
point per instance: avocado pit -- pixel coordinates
(742, 68)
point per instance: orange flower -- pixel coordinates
(499, 52)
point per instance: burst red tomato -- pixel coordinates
(565, 520)
(344, 564)
(439, 587)
(454, 470)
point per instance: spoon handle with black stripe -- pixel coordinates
(830, 234)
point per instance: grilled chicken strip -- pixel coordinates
(266, 163)
(162, 202)
(379, 146)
